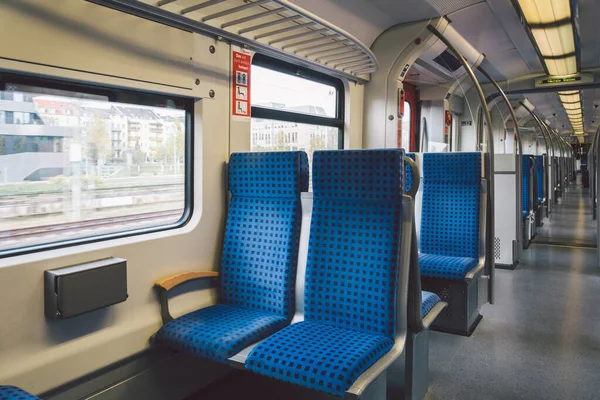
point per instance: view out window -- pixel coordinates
(406, 124)
(76, 166)
(294, 109)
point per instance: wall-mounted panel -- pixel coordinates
(79, 36)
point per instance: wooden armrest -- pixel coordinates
(170, 282)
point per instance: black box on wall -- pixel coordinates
(82, 288)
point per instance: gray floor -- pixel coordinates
(541, 340)
(571, 221)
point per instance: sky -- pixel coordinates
(271, 86)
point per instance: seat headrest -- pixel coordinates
(526, 161)
(359, 174)
(409, 176)
(462, 167)
(268, 174)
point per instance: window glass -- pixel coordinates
(280, 91)
(406, 124)
(74, 167)
(272, 135)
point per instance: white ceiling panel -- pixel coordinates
(506, 13)
(366, 20)
(589, 15)
(481, 28)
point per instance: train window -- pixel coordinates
(294, 109)
(406, 124)
(77, 166)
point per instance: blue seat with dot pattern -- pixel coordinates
(428, 301)
(14, 393)
(409, 177)
(258, 265)
(449, 245)
(445, 267)
(539, 164)
(351, 274)
(526, 165)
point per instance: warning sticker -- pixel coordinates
(241, 63)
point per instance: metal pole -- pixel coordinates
(549, 159)
(490, 149)
(540, 126)
(510, 109)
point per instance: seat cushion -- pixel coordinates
(445, 267)
(318, 356)
(428, 300)
(14, 393)
(218, 332)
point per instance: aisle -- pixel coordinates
(541, 339)
(571, 221)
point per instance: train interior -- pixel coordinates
(226, 199)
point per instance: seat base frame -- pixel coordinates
(461, 317)
(510, 267)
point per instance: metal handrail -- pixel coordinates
(490, 149)
(232, 21)
(541, 126)
(510, 109)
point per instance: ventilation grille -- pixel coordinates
(446, 296)
(448, 61)
(497, 248)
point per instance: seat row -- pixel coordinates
(452, 235)
(323, 289)
(533, 194)
(313, 289)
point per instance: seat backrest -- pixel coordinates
(260, 248)
(409, 177)
(415, 305)
(451, 211)
(355, 235)
(539, 164)
(525, 182)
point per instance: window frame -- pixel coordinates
(128, 96)
(338, 121)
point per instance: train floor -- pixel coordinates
(540, 340)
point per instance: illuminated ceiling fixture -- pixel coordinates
(551, 26)
(571, 101)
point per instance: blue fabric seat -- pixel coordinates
(219, 331)
(526, 166)
(445, 267)
(351, 274)
(258, 265)
(539, 164)
(449, 245)
(428, 300)
(14, 393)
(409, 177)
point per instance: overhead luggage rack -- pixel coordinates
(274, 27)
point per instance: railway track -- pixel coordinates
(24, 233)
